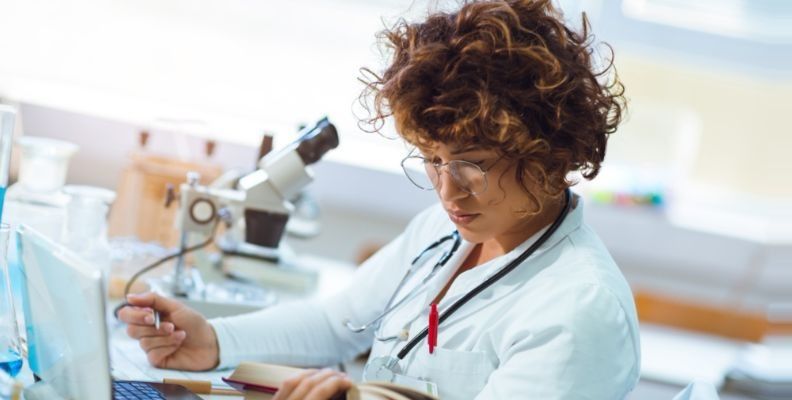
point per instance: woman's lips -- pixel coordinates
(460, 218)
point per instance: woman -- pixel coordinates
(501, 103)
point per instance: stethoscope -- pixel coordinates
(389, 308)
(385, 368)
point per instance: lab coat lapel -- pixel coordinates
(539, 260)
(437, 284)
(410, 311)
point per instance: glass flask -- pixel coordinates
(10, 388)
(85, 223)
(36, 198)
(7, 117)
(10, 343)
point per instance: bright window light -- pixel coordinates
(759, 20)
(222, 69)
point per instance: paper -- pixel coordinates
(698, 391)
(680, 357)
(769, 362)
(128, 362)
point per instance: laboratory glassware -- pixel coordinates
(10, 342)
(10, 388)
(7, 117)
(36, 198)
(85, 224)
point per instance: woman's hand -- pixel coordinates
(314, 385)
(184, 340)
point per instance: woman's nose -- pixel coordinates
(447, 188)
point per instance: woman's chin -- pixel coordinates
(470, 235)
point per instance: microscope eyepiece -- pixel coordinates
(316, 142)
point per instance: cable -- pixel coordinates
(162, 260)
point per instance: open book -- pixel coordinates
(260, 381)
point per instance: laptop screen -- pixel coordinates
(65, 319)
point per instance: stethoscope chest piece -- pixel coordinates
(383, 368)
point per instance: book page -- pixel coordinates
(258, 381)
(404, 391)
(368, 392)
(265, 375)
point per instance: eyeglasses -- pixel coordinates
(425, 174)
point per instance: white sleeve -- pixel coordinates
(313, 333)
(291, 334)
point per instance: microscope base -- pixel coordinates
(281, 277)
(213, 309)
(220, 299)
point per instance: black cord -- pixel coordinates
(436, 243)
(161, 261)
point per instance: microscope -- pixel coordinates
(255, 212)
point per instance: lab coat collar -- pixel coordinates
(407, 316)
(412, 309)
(467, 280)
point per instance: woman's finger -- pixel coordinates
(154, 301)
(328, 388)
(136, 315)
(141, 331)
(290, 385)
(309, 383)
(159, 355)
(153, 342)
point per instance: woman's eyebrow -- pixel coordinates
(465, 150)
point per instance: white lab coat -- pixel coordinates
(560, 326)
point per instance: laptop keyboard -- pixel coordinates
(135, 391)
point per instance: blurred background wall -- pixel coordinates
(707, 136)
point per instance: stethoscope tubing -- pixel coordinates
(389, 306)
(492, 279)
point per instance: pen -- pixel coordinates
(433, 322)
(202, 387)
(156, 319)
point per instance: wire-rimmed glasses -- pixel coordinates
(425, 174)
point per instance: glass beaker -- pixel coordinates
(7, 117)
(85, 227)
(36, 198)
(10, 388)
(10, 343)
(44, 163)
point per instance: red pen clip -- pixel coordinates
(433, 322)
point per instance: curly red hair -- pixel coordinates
(503, 75)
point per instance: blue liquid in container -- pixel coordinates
(14, 270)
(10, 362)
(2, 200)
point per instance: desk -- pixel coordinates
(129, 360)
(691, 357)
(665, 350)
(672, 358)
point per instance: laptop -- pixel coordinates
(67, 333)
